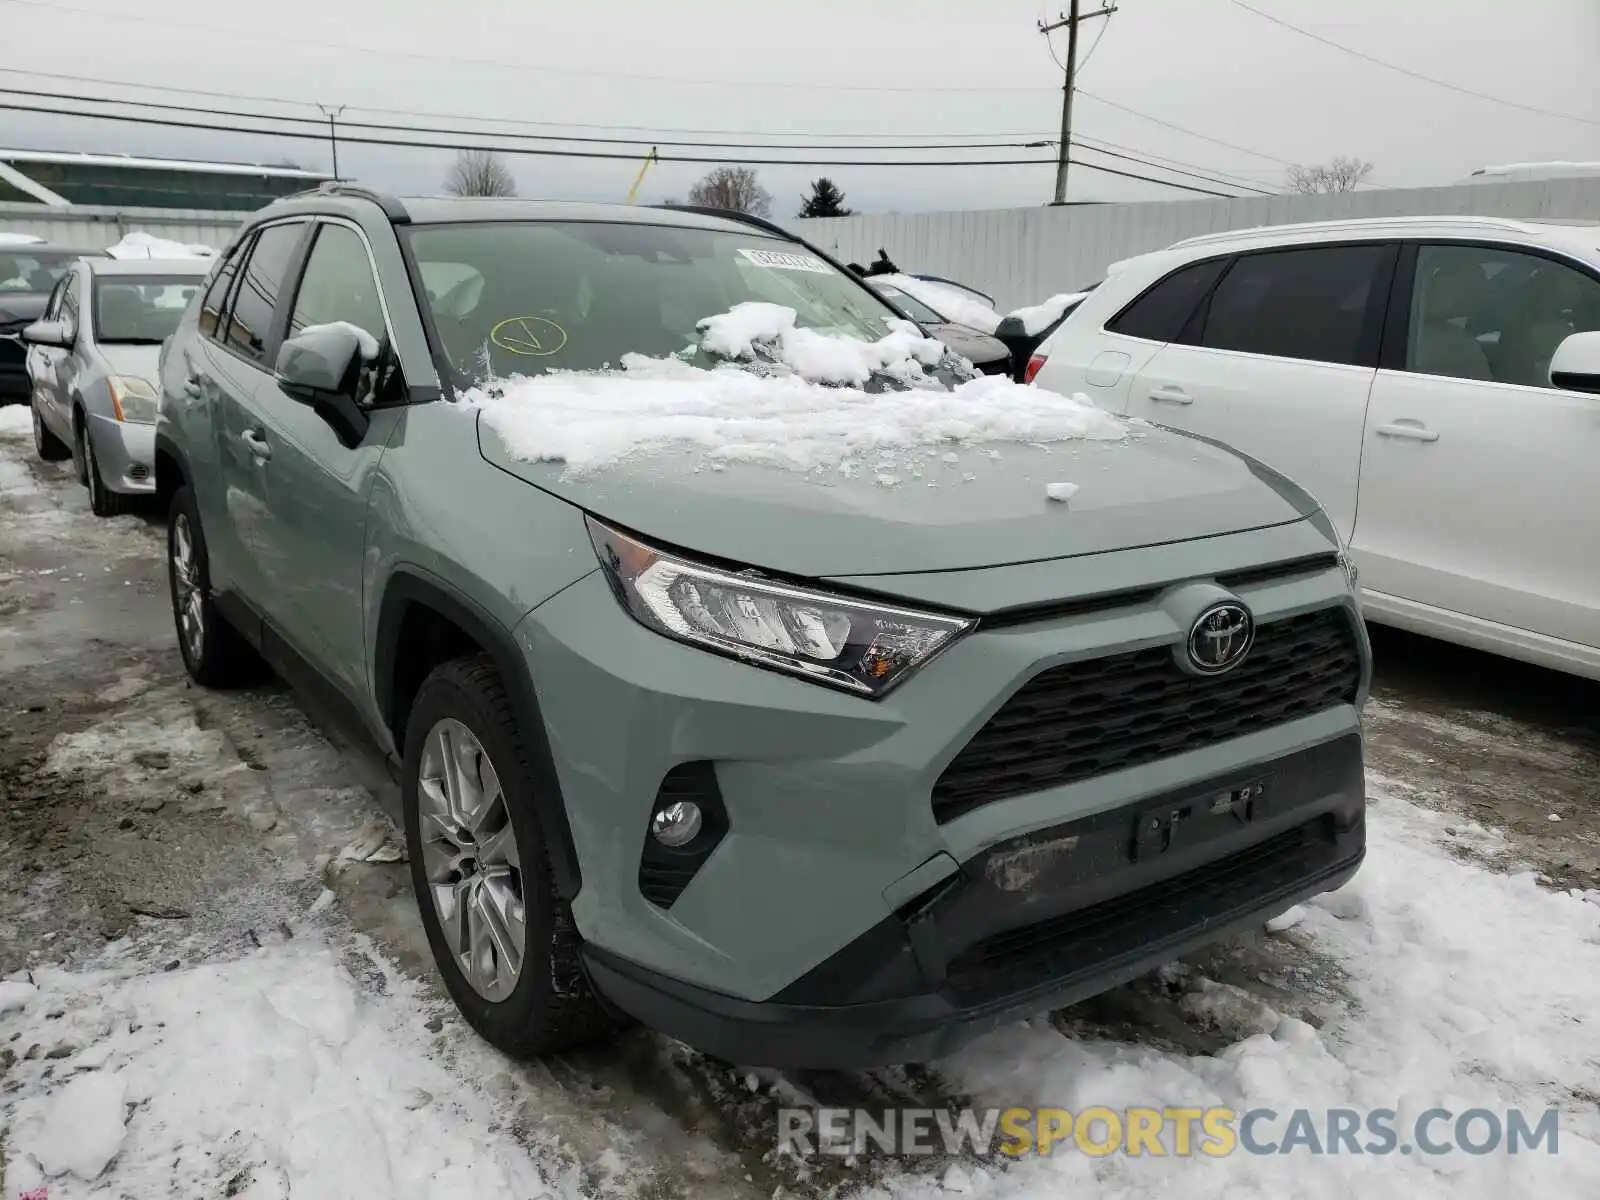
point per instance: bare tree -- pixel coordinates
(732, 187)
(1340, 175)
(480, 173)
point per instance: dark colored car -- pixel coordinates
(29, 272)
(988, 354)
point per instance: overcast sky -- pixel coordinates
(835, 67)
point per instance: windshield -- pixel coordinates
(24, 270)
(914, 308)
(140, 308)
(529, 297)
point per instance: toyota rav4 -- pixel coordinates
(749, 665)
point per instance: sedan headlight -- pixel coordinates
(853, 645)
(133, 399)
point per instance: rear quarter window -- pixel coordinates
(1164, 308)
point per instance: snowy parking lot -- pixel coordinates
(213, 981)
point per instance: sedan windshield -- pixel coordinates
(33, 270)
(528, 297)
(140, 308)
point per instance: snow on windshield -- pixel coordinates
(786, 409)
(949, 303)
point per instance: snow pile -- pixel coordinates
(948, 302)
(778, 413)
(368, 343)
(1061, 492)
(82, 1127)
(16, 420)
(757, 330)
(1036, 318)
(146, 245)
(19, 239)
(268, 1076)
(1463, 988)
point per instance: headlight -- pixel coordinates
(853, 645)
(132, 398)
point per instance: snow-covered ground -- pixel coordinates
(213, 982)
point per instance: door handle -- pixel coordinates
(256, 444)
(1171, 394)
(1414, 431)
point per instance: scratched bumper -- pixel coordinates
(1040, 922)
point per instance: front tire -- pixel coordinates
(46, 445)
(501, 935)
(103, 502)
(214, 653)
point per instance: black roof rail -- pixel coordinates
(731, 214)
(392, 208)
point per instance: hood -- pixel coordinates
(22, 307)
(981, 350)
(141, 360)
(1154, 488)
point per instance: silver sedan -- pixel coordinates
(92, 361)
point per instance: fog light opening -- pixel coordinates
(677, 824)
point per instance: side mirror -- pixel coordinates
(1575, 365)
(46, 333)
(321, 367)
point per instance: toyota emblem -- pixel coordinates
(1220, 638)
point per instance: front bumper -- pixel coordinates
(126, 451)
(1035, 924)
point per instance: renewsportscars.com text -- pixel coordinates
(1161, 1132)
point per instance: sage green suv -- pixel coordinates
(803, 768)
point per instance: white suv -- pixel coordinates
(1434, 381)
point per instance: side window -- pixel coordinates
(1485, 312)
(338, 285)
(1161, 313)
(52, 307)
(71, 299)
(256, 297)
(1312, 303)
(217, 294)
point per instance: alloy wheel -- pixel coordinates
(188, 601)
(471, 859)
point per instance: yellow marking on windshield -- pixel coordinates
(536, 337)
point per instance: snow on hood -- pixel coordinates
(788, 411)
(145, 245)
(949, 303)
(1036, 318)
(19, 239)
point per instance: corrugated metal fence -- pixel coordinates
(1022, 255)
(1019, 255)
(95, 228)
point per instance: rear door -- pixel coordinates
(1479, 482)
(317, 482)
(1278, 361)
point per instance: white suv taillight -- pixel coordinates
(1032, 369)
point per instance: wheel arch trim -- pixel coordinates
(412, 585)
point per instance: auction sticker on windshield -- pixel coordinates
(779, 260)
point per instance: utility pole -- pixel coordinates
(333, 132)
(1070, 21)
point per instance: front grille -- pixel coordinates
(1089, 718)
(1163, 911)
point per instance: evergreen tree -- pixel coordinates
(825, 200)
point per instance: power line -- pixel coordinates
(1134, 153)
(1071, 22)
(549, 152)
(1158, 121)
(258, 35)
(1080, 144)
(488, 120)
(329, 113)
(1409, 73)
